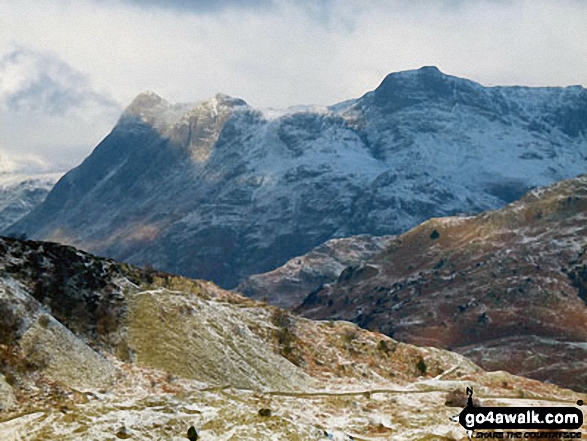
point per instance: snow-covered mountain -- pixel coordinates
(220, 190)
(20, 193)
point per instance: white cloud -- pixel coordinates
(196, 6)
(49, 112)
(283, 52)
(38, 82)
(21, 163)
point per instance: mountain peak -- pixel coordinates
(229, 101)
(433, 69)
(422, 71)
(145, 100)
(422, 78)
(154, 110)
(417, 74)
(426, 84)
(145, 105)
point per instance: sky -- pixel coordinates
(69, 67)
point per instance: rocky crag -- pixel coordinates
(288, 285)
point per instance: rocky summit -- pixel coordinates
(507, 288)
(221, 191)
(93, 349)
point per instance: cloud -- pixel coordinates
(320, 9)
(39, 82)
(84, 55)
(49, 112)
(199, 6)
(21, 163)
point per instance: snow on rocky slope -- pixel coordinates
(221, 190)
(96, 350)
(19, 194)
(507, 288)
(288, 285)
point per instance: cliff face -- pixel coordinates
(220, 190)
(506, 288)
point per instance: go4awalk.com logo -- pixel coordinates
(544, 422)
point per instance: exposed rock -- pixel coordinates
(504, 288)
(288, 286)
(7, 399)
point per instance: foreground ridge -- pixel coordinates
(95, 349)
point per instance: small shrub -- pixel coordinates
(10, 378)
(44, 320)
(281, 318)
(421, 366)
(150, 273)
(193, 434)
(10, 324)
(286, 337)
(123, 433)
(387, 347)
(265, 412)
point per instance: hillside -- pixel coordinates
(93, 349)
(221, 190)
(506, 288)
(19, 194)
(288, 285)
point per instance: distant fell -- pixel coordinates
(221, 190)
(507, 288)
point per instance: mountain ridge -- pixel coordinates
(20, 193)
(221, 190)
(506, 287)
